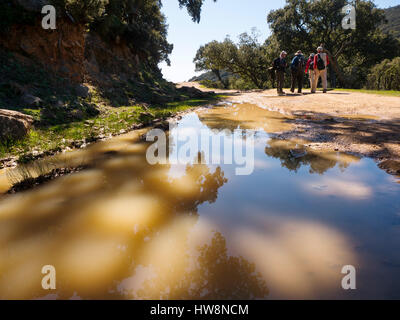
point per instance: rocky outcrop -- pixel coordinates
(13, 124)
(61, 50)
(106, 61)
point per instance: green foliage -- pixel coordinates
(247, 59)
(304, 25)
(193, 7)
(385, 76)
(393, 21)
(83, 11)
(390, 93)
(138, 23)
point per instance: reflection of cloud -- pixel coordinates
(297, 259)
(129, 286)
(188, 260)
(327, 186)
(262, 164)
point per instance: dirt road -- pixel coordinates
(358, 123)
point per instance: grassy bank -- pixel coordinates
(379, 92)
(109, 121)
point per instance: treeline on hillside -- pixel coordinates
(393, 21)
(304, 25)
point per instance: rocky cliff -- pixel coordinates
(61, 50)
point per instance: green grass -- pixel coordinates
(379, 92)
(110, 121)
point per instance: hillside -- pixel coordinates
(210, 76)
(99, 66)
(393, 17)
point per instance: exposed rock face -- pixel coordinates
(13, 124)
(61, 50)
(103, 61)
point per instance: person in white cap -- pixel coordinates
(321, 61)
(280, 66)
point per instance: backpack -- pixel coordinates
(277, 65)
(311, 66)
(297, 64)
(320, 62)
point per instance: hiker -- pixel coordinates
(280, 66)
(310, 70)
(321, 61)
(297, 69)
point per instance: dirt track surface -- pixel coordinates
(358, 123)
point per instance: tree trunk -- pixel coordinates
(218, 74)
(336, 68)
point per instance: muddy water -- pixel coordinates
(127, 230)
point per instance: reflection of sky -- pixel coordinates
(361, 202)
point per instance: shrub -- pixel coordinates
(385, 76)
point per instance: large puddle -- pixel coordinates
(125, 229)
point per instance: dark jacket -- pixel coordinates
(280, 64)
(298, 64)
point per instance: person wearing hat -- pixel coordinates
(310, 70)
(297, 69)
(321, 61)
(280, 66)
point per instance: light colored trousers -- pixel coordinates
(323, 75)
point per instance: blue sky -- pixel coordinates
(225, 17)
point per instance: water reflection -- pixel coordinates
(126, 230)
(98, 225)
(244, 116)
(294, 155)
(208, 272)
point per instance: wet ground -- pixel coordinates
(125, 229)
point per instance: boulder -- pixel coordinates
(14, 125)
(82, 91)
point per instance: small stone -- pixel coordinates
(82, 91)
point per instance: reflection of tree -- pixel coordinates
(215, 275)
(292, 159)
(94, 196)
(220, 123)
(207, 185)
